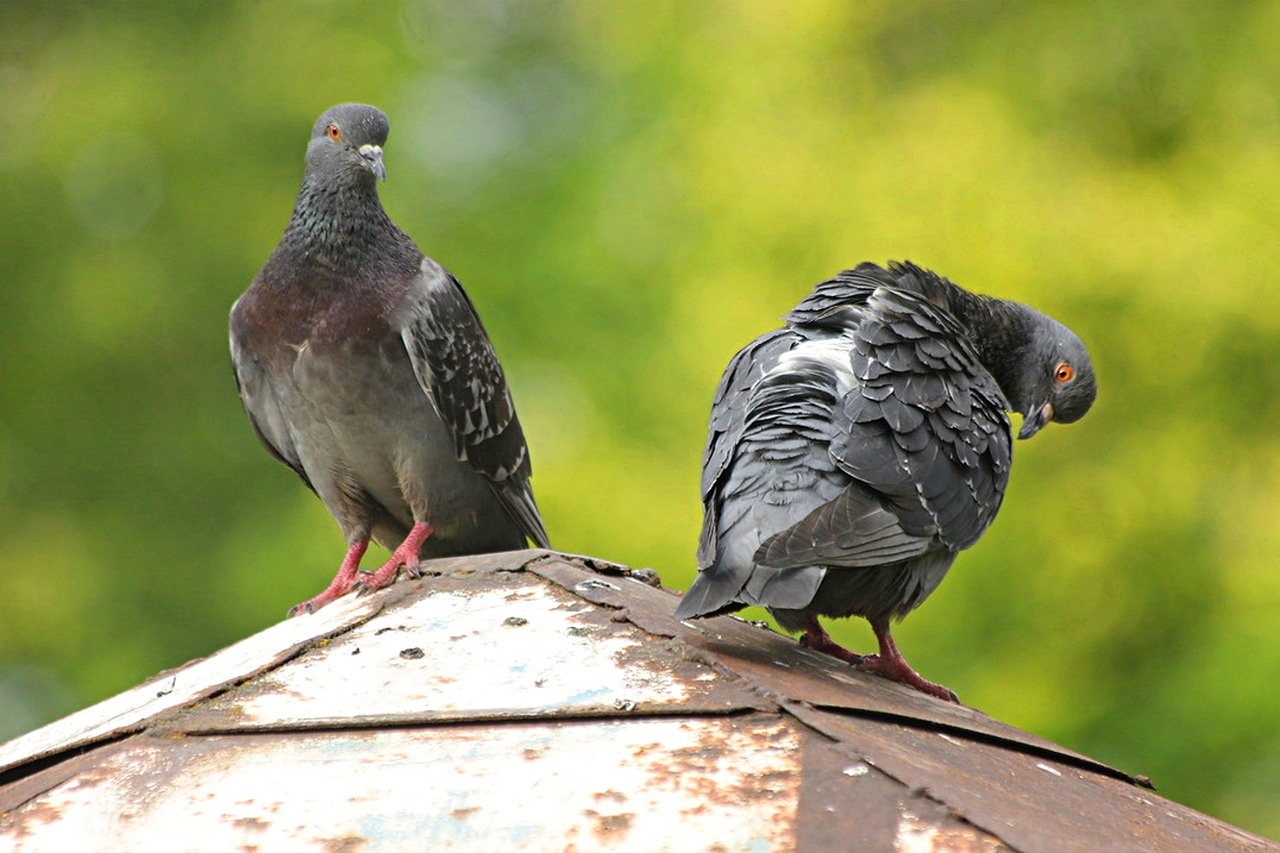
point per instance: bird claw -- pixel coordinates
(904, 674)
(405, 557)
(364, 584)
(311, 605)
(819, 641)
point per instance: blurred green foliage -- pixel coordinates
(631, 191)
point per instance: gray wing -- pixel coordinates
(260, 405)
(459, 371)
(717, 585)
(924, 437)
(728, 417)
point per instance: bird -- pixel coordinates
(363, 366)
(853, 453)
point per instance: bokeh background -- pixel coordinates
(631, 191)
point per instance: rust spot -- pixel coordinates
(93, 776)
(612, 795)
(643, 749)
(346, 844)
(532, 754)
(36, 811)
(916, 835)
(694, 811)
(610, 824)
(253, 823)
(464, 813)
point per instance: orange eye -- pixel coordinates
(1064, 372)
(334, 132)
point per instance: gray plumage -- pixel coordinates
(852, 454)
(363, 366)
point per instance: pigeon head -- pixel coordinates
(346, 146)
(1055, 380)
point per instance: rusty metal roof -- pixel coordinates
(538, 701)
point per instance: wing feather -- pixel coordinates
(458, 370)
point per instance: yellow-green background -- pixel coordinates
(631, 191)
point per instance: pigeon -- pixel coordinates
(852, 454)
(363, 366)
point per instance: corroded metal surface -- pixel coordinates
(648, 784)
(777, 662)
(470, 648)
(755, 782)
(535, 701)
(131, 710)
(1031, 802)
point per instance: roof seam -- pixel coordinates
(467, 722)
(989, 740)
(912, 790)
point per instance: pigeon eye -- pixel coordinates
(1064, 372)
(335, 132)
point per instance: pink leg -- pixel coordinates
(890, 664)
(820, 641)
(406, 555)
(342, 581)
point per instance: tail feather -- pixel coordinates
(519, 504)
(711, 594)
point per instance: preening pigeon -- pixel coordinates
(853, 453)
(362, 365)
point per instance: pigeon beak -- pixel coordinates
(1035, 420)
(372, 155)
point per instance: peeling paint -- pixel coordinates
(446, 655)
(448, 788)
(523, 702)
(915, 836)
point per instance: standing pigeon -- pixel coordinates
(855, 452)
(362, 366)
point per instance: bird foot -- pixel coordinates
(369, 582)
(888, 663)
(341, 583)
(816, 638)
(334, 591)
(406, 555)
(895, 668)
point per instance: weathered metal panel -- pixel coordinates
(727, 783)
(129, 711)
(1029, 801)
(532, 701)
(476, 647)
(779, 665)
(848, 805)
